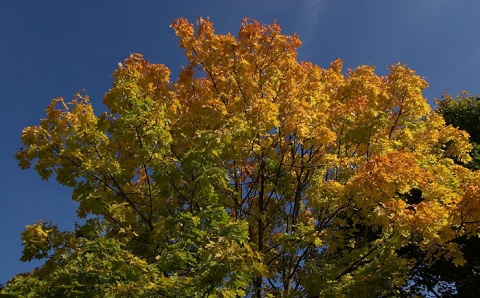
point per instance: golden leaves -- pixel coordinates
(315, 166)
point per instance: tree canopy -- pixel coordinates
(464, 112)
(443, 279)
(252, 174)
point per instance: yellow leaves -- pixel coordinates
(255, 259)
(466, 211)
(39, 239)
(255, 161)
(406, 90)
(36, 231)
(456, 143)
(139, 85)
(122, 212)
(52, 111)
(325, 193)
(384, 176)
(459, 261)
(264, 113)
(383, 185)
(246, 75)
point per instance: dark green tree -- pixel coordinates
(463, 112)
(444, 279)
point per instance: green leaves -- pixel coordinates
(251, 175)
(97, 267)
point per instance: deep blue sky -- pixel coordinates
(54, 48)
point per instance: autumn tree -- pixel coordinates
(252, 174)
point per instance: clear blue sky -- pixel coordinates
(54, 48)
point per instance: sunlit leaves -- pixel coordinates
(251, 174)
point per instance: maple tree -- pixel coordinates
(252, 174)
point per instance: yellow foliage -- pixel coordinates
(293, 173)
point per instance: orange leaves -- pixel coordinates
(245, 78)
(466, 212)
(325, 171)
(185, 31)
(371, 138)
(386, 176)
(259, 34)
